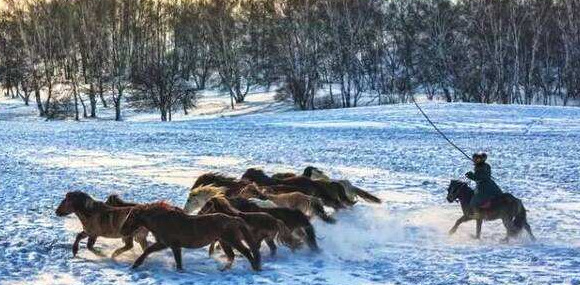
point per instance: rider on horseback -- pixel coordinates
(486, 188)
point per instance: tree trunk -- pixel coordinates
(93, 101)
(117, 103)
(76, 102)
(102, 94)
(84, 106)
(39, 102)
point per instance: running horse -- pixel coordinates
(506, 207)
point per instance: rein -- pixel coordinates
(127, 217)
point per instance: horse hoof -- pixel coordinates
(226, 267)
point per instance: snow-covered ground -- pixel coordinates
(389, 150)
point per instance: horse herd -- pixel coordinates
(233, 213)
(242, 213)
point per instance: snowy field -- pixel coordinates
(388, 150)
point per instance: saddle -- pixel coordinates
(490, 204)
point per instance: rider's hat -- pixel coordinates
(482, 155)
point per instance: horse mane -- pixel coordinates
(256, 175)
(243, 203)
(89, 204)
(459, 183)
(254, 189)
(214, 178)
(114, 198)
(254, 170)
(210, 190)
(224, 204)
(161, 207)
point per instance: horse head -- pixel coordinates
(252, 191)
(255, 175)
(455, 190)
(73, 202)
(208, 208)
(200, 195)
(114, 200)
(315, 173)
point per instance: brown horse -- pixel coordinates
(352, 192)
(506, 207)
(98, 220)
(232, 186)
(262, 225)
(295, 220)
(332, 194)
(283, 175)
(174, 229)
(116, 201)
(307, 204)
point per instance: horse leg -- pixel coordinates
(153, 248)
(212, 248)
(141, 238)
(75, 247)
(239, 246)
(529, 230)
(177, 255)
(507, 224)
(459, 221)
(272, 245)
(478, 223)
(91, 246)
(230, 254)
(128, 245)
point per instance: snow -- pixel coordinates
(388, 150)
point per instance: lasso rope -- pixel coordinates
(439, 131)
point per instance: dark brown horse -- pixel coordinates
(309, 205)
(506, 207)
(352, 192)
(295, 220)
(174, 229)
(262, 225)
(98, 220)
(116, 201)
(332, 194)
(233, 186)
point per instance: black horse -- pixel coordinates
(505, 207)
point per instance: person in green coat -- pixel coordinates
(486, 188)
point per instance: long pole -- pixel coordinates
(439, 131)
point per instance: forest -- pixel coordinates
(64, 56)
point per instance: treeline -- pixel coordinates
(70, 54)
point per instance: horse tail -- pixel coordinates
(519, 219)
(366, 195)
(249, 238)
(311, 238)
(318, 210)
